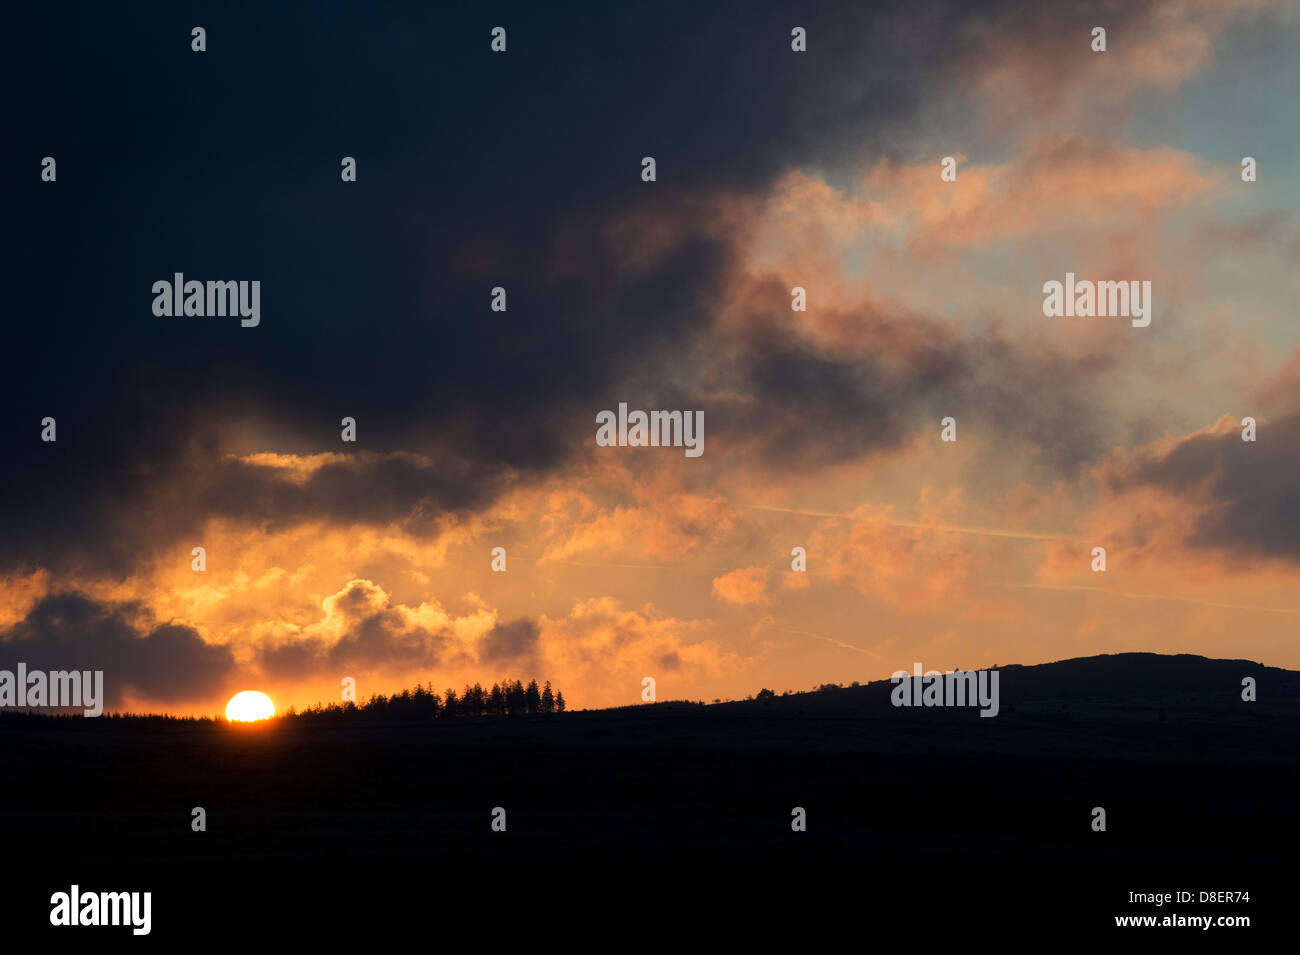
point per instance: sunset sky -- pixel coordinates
(476, 429)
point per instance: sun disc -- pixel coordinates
(249, 705)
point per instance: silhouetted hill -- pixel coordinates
(1117, 676)
(1138, 680)
(1198, 787)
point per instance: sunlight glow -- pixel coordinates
(249, 705)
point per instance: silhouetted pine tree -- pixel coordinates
(505, 698)
(515, 698)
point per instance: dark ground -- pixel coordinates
(648, 825)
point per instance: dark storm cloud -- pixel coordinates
(386, 638)
(1253, 488)
(509, 642)
(813, 409)
(474, 170)
(161, 662)
(1042, 403)
(805, 406)
(347, 490)
(376, 636)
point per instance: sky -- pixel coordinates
(476, 429)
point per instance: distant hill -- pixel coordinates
(1139, 680)
(1140, 677)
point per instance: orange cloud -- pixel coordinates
(1033, 69)
(907, 566)
(604, 651)
(746, 585)
(1059, 183)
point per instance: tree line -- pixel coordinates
(505, 698)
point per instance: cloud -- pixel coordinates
(362, 630)
(374, 310)
(375, 305)
(1243, 497)
(140, 657)
(643, 511)
(1033, 67)
(511, 642)
(746, 585)
(1067, 183)
(910, 567)
(603, 650)
(868, 378)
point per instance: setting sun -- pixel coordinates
(249, 705)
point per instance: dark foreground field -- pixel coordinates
(648, 825)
